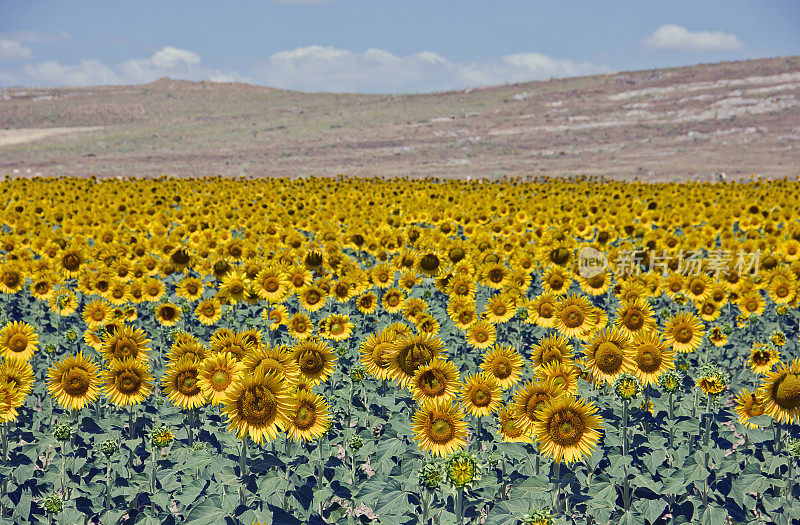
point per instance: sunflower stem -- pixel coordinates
(425, 506)
(108, 485)
(647, 409)
(503, 475)
(778, 443)
(557, 488)
(383, 397)
(789, 482)
(537, 468)
(478, 434)
(154, 466)
(671, 419)
(459, 505)
(63, 473)
(243, 472)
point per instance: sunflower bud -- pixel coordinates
(357, 373)
(52, 503)
(712, 380)
(462, 469)
(431, 474)
(198, 445)
(794, 447)
(108, 448)
(670, 381)
(626, 386)
(377, 431)
(355, 443)
(71, 335)
(62, 431)
(50, 348)
(537, 517)
(161, 437)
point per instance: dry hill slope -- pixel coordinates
(669, 124)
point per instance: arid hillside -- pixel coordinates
(740, 118)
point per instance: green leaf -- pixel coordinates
(655, 459)
(207, 512)
(394, 502)
(713, 516)
(675, 484)
(651, 509)
(388, 449)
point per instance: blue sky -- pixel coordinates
(375, 46)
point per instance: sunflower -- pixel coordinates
(782, 290)
(709, 310)
(277, 316)
(567, 429)
(208, 311)
(10, 401)
(271, 284)
(717, 336)
(233, 286)
(181, 384)
(595, 285)
(125, 342)
(505, 364)
(439, 427)
(153, 289)
(413, 307)
(258, 406)
(18, 373)
(635, 317)
(698, 287)
(651, 357)
(127, 381)
(74, 382)
(409, 353)
(375, 354)
(572, 316)
(277, 359)
(551, 349)
(556, 280)
(190, 288)
(608, 354)
(494, 275)
(367, 303)
(499, 309)
(435, 380)
(563, 376)
(528, 401)
(541, 311)
(96, 313)
(300, 326)
(224, 340)
(464, 317)
(684, 332)
(336, 327)
(312, 298)
(11, 279)
(315, 359)
(509, 430)
(480, 394)
(309, 416)
(763, 356)
(218, 373)
(751, 303)
(190, 349)
(63, 302)
(748, 406)
(393, 300)
(481, 334)
(69, 264)
(18, 340)
(461, 286)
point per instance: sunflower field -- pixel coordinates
(308, 350)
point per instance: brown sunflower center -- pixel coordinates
(683, 334)
(481, 336)
(257, 406)
(125, 347)
(633, 320)
(510, 429)
(413, 356)
(312, 297)
(75, 382)
(786, 391)
(499, 310)
(18, 343)
(311, 362)
(608, 357)
(186, 383)
(534, 404)
(220, 380)
(573, 316)
(502, 367)
(379, 355)
(432, 383)
(648, 358)
(546, 310)
(192, 288)
(442, 430)
(496, 275)
(566, 428)
(71, 262)
(98, 314)
(305, 417)
(556, 282)
(128, 382)
(481, 396)
(761, 357)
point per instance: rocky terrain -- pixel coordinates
(697, 122)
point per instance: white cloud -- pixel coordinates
(88, 73)
(316, 68)
(13, 50)
(166, 62)
(34, 37)
(671, 36)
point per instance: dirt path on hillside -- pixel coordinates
(10, 137)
